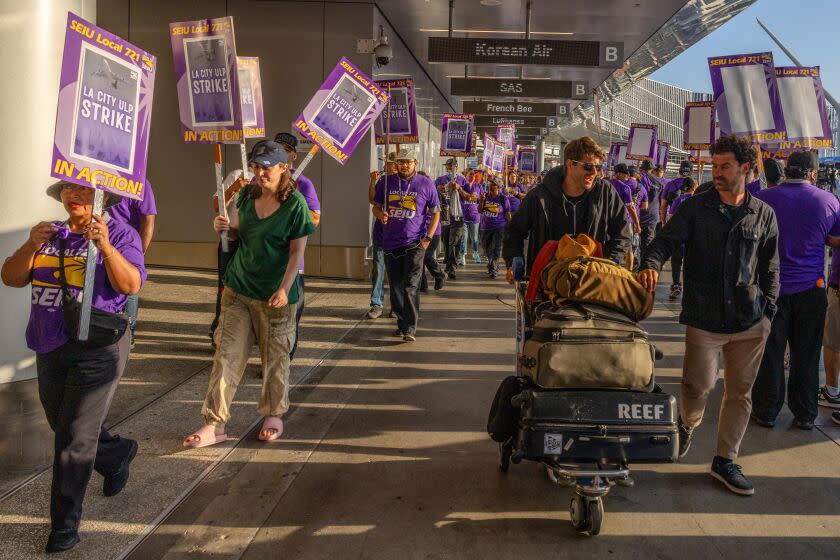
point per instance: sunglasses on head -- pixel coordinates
(588, 167)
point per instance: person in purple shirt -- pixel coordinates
(649, 215)
(377, 271)
(808, 217)
(140, 215)
(472, 217)
(754, 181)
(515, 192)
(672, 189)
(625, 186)
(401, 204)
(77, 380)
(307, 188)
(430, 261)
(451, 186)
(688, 189)
(494, 207)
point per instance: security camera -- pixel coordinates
(383, 52)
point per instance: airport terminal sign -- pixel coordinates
(491, 120)
(495, 50)
(517, 109)
(512, 87)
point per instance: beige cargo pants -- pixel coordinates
(242, 321)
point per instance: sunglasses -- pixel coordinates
(588, 167)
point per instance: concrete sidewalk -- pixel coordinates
(385, 453)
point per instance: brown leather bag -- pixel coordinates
(600, 281)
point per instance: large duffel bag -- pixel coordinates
(578, 346)
(598, 281)
(589, 426)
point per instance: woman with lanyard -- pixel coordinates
(271, 221)
(77, 380)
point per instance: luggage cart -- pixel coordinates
(600, 458)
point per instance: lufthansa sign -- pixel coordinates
(519, 130)
(525, 51)
(519, 109)
(512, 87)
(492, 120)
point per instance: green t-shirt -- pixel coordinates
(259, 264)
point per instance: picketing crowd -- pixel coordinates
(747, 261)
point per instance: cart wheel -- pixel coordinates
(579, 514)
(505, 451)
(596, 515)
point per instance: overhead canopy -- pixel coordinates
(651, 32)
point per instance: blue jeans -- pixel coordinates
(377, 276)
(132, 306)
(471, 240)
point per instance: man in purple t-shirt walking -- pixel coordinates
(401, 204)
(807, 217)
(672, 190)
(140, 215)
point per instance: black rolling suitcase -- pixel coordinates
(573, 426)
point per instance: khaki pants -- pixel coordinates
(741, 357)
(242, 321)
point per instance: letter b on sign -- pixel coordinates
(580, 90)
(612, 55)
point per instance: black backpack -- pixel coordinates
(503, 421)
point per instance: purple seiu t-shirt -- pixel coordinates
(470, 206)
(129, 210)
(673, 186)
(307, 188)
(45, 331)
(806, 216)
(623, 190)
(653, 189)
(406, 202)
(638, 194)
(493, 216)
(675, 205)
(513, 201)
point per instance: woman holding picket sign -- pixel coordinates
(271, 221)
(77, 380)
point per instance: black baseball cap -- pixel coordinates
(268, 154)
(622, 168)
(685, 168)
(804, 161)
(647, 165)
(773, 170)
(288, 139)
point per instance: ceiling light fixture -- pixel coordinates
(491, 2)
(499, 31)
